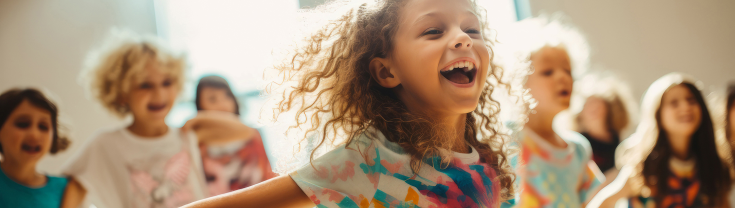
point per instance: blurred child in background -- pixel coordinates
(236, 165)
(29, 128)
(555, 167)
(145, 163)
(672, 159)
(607, 111)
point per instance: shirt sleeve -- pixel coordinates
(82, 167)
(592, 178)
(340, 178)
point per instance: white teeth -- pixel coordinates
(448, 68)
(465, 65)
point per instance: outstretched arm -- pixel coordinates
(212, 127)
(280, 191)
(616, 190)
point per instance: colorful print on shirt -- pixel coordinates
(684, 186)
(343, 178)
(235, 166)
(554, 177)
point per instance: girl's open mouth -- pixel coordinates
(154, 107)
(462, 72)
(30, 148)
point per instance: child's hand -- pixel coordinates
(212, 127)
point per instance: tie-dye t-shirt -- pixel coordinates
(550, 176)
(382, 177)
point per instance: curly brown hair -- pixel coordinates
(334, 95)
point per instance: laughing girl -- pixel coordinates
(405, 85)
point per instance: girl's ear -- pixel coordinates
(381, 72)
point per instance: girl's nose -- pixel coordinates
(462, 40)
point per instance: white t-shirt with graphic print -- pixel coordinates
(120, 169)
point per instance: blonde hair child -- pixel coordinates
(554, 167)
(146, 162)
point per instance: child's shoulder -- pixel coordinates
(369, 145)
(580, 142)
(103, 135)
(374, 139)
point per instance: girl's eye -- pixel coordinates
(146, 86)
(432, 31)
(692, 101)
(22, 124)
(547, 72)
(674, 103)
(167, 83)
(472, 31)
(43, 127)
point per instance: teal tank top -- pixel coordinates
(13, 194)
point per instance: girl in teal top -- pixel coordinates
(19, 195)
(28, 130)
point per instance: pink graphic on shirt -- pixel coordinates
(167, 190)
(347, 171)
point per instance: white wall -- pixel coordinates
(643, 40)
(43, 44)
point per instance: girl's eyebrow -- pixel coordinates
(425, 16)
(435, 14)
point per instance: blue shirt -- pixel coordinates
(13, 194)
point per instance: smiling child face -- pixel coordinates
(27, 134)
(152, 98)
(439, 56)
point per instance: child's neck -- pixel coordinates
(678, 150)
(148, 129)
(542, 125)
(24, 174)
(456, 124)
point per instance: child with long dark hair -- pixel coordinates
(672, 160)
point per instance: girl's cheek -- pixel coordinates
(47, 142)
